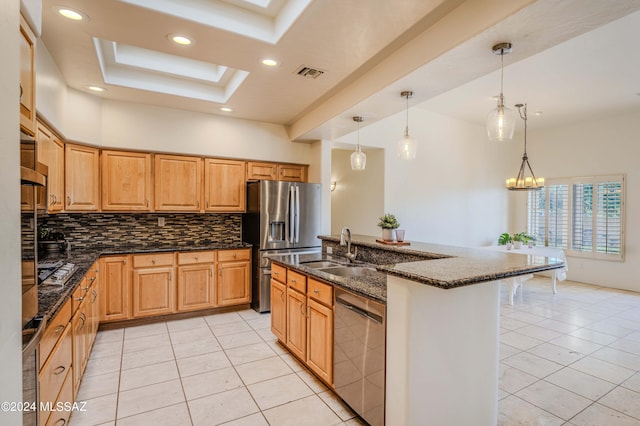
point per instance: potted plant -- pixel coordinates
(388, 223)
(504, 239)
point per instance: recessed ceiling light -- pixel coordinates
(226, 109)
(180, 39)
(96, 88)
(269, 62)
(74, 15)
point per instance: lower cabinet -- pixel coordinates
(196, 280)
(55, 373)
(279, 309)
(234, 277)
(302, 319)
(84, 323)
(115, 288)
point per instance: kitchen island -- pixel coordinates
(442, 323)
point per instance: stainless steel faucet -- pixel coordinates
(345, 239)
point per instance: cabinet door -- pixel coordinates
(80, 335)
(27, 78)
(224, 185)
(279, 310)
(114, 293)
(261, 171)
(234, 285)
(126, 181)
(292, 172)
(153, 292)
(55, 180)
(320, 340)
(82, 179)
(195, 287)
(177, 183)
(296, 323)
(52, 375)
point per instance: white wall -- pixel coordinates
(51, 89)
(320, 172)
(358, 199)
(453, 192)
(10, 302)
(596, 147)
(83, 118)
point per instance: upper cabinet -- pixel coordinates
(82, 178)
(27, 78)
(224, 185)
(274, 171)
(51, 153)
(178, 183)
(126, 181)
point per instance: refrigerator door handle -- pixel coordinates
(292, 214)
(297, 240)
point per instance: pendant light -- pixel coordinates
(501, 121)
(407, 146)
(358, 158)
(522, 182)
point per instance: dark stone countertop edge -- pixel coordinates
(371, 286)
(448, 267)
(52, 298)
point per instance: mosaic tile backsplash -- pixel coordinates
(108, 229)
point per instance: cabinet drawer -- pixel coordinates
(54, 331)
(297, 281)
(189, 258)
(151, 260)
(231, 255)
(61, 417)
(279, 273)
(55, 370)
(78, 294)
(321, 292)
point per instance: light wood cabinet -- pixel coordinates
(279, 309)
(296, 323)
(261, 171)
(234, 277)
(196, 280)
(292, 172)
(65, 397)
(126, 181)
(305, 323)
(51, 153)
(177, 183)
(274, 171)
(27, 78)
(80, 337)
(224, 185)
(320, 329)
(115, 288)
(153, 285)
(54, 331)
(82, 178)
(56, 370)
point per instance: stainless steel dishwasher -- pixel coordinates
(359, 355)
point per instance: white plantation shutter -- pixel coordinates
(536, 215)
(582, 215)
(608, 221)
(558, 216)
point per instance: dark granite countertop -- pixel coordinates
(373, 286)
(449, 266)
(51, 298)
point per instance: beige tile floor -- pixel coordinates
(567, 359)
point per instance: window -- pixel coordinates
(584, 216)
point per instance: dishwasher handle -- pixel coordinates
(353, 308)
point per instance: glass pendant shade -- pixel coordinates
(501, 123)
(358, 159)
(407, 147)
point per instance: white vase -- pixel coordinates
(517, 244)
(387, 234)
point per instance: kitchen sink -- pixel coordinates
(350, 271)
(316, 264)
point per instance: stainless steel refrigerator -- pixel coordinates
(281, 218)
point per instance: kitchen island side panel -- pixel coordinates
(442, 354)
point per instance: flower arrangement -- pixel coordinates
(521, 237)
(388, 221)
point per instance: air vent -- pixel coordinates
(309, 72)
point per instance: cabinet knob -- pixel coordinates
(153, 261)
(68, 200)
(293, 280)
(316, 291)
(196, 258)
(59, 370)
(235, 255)
(276, 273)
(58, 329)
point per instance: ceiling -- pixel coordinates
(571, 59)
